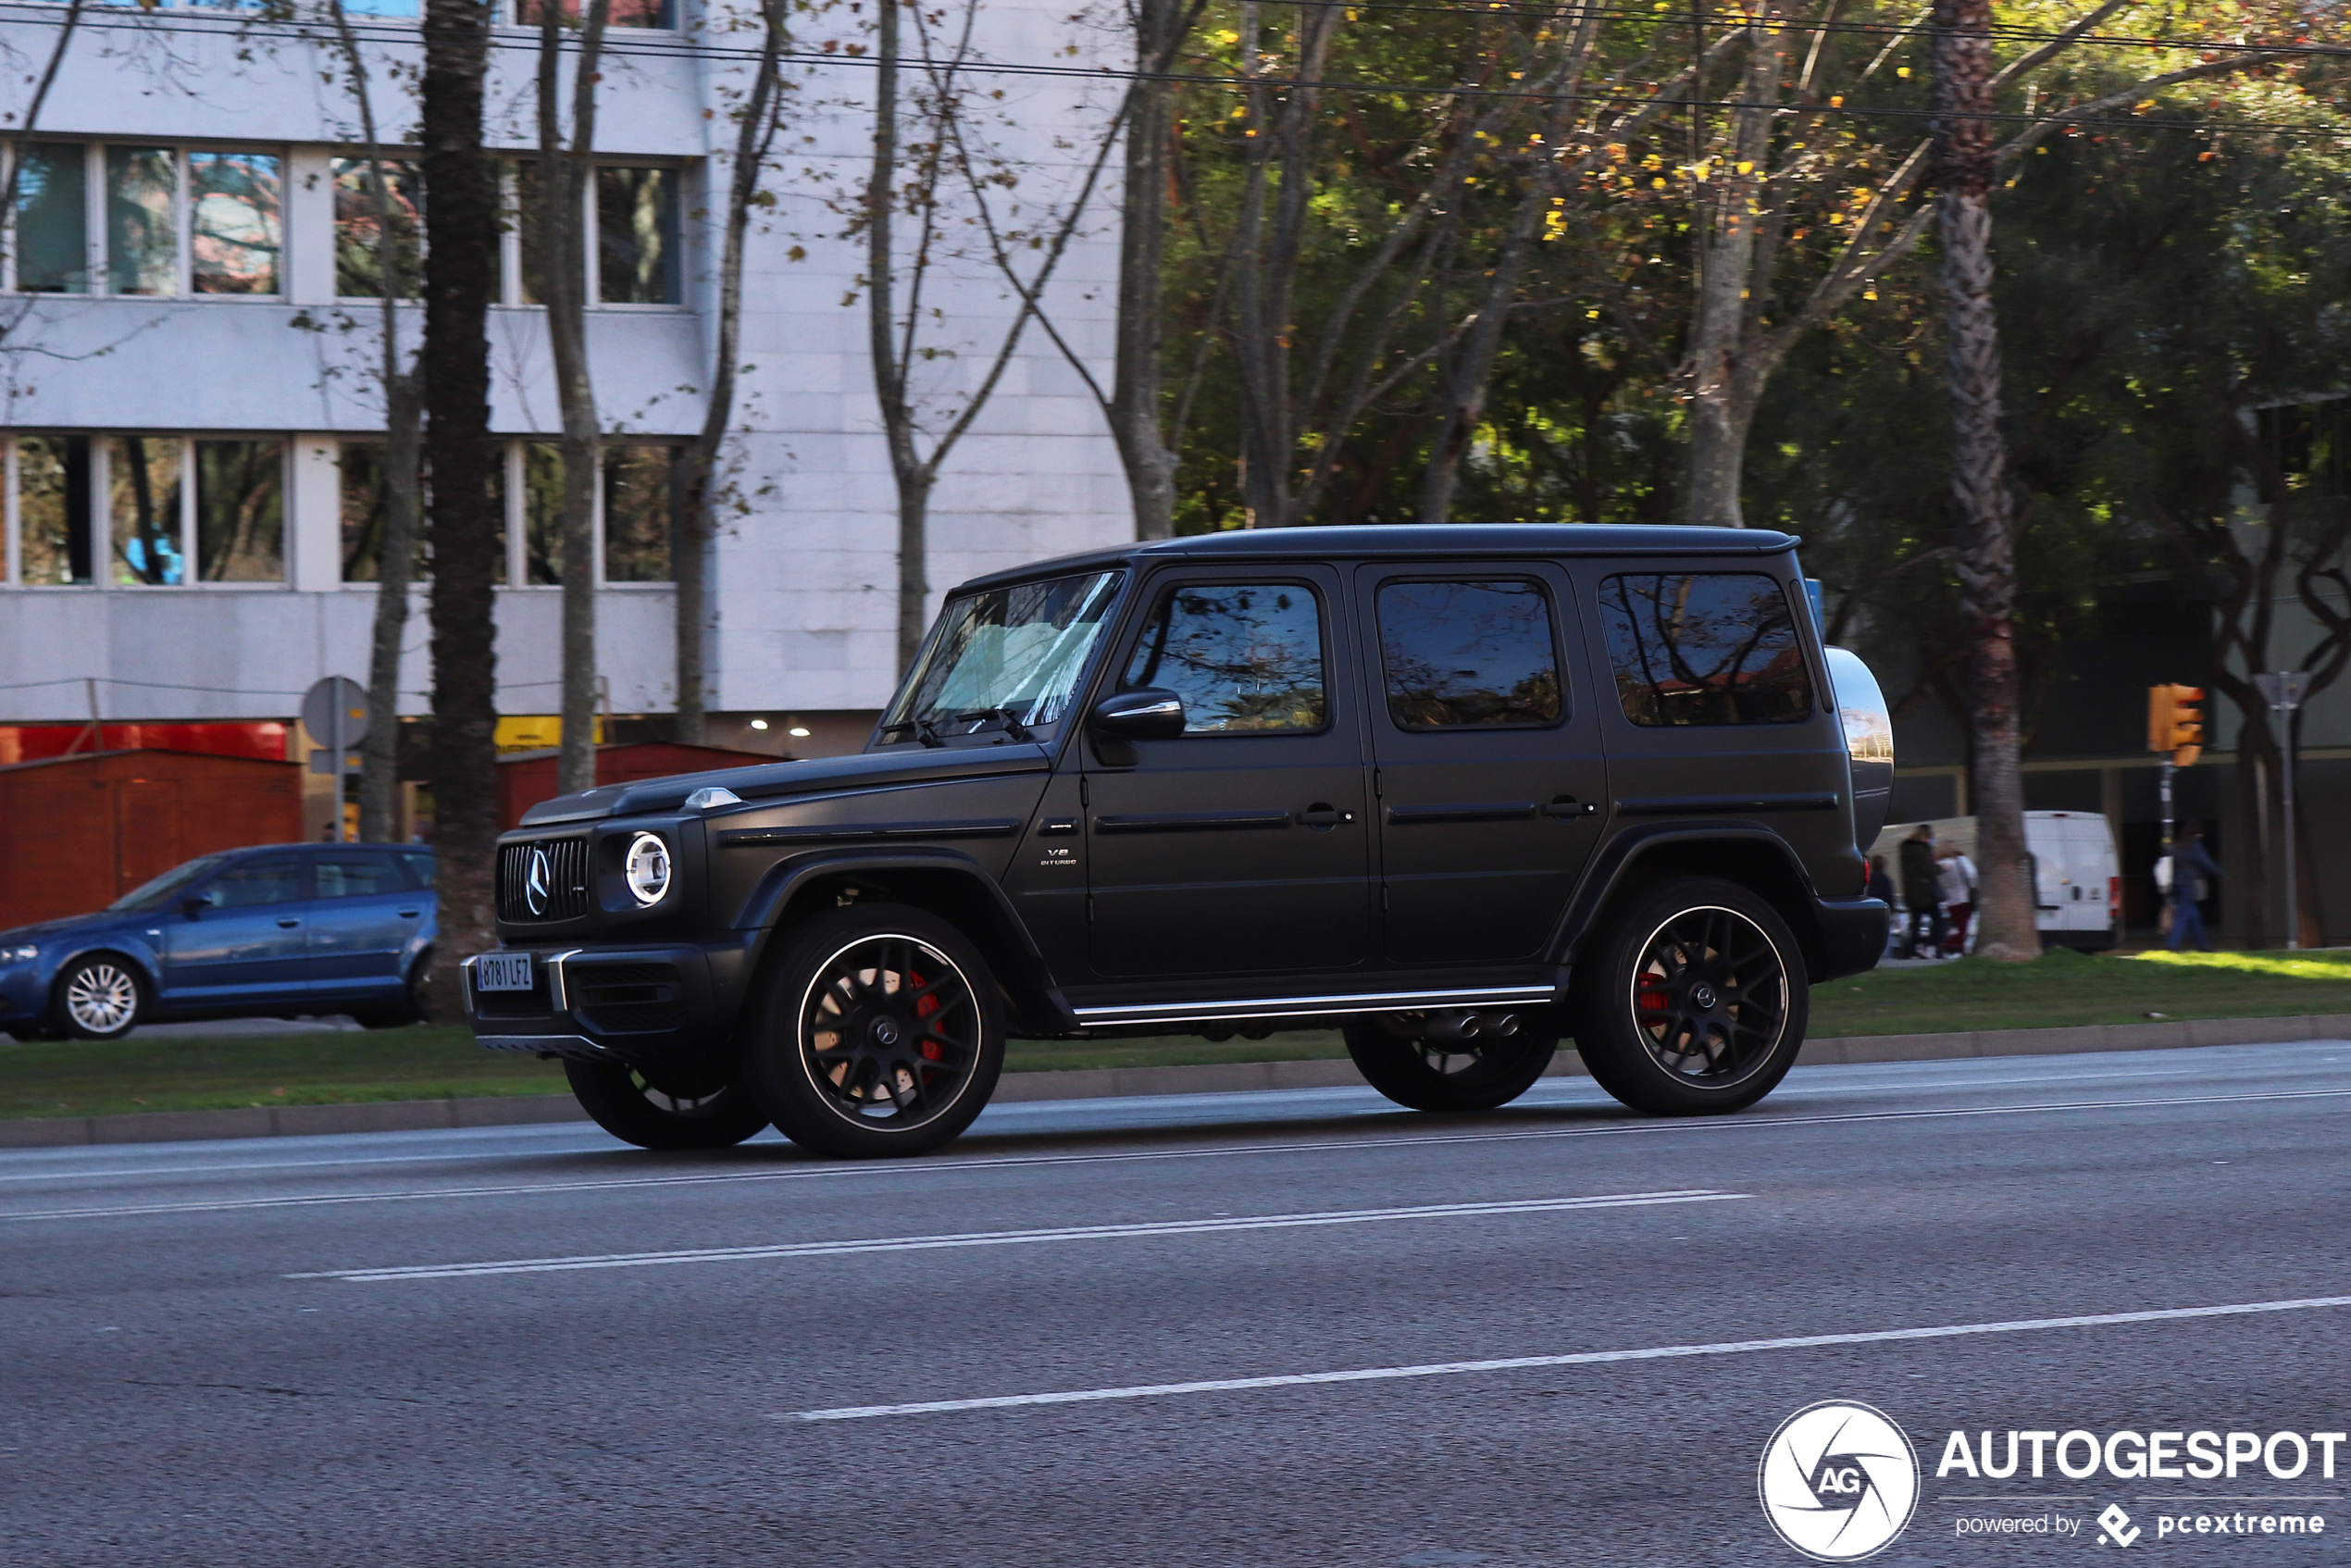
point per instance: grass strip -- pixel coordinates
(87, 1078)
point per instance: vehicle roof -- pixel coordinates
(1409, 541)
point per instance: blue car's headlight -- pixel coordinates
(18, 955)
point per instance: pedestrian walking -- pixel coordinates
(2191, 865)
(1956, 874)
(1922, 893)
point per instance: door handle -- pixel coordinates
(289, 923)
(1320, 816)
(408, 914)
(1568, 805)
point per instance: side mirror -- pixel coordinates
(194, 907)
(1148, 715)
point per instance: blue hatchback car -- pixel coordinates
(280, 928)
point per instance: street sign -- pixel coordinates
(318, 706)
(335, 712)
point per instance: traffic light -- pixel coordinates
(2175, 722)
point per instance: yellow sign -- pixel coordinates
(536, 732)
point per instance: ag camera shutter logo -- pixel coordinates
(1838, 1481)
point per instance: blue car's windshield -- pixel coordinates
(155, 894)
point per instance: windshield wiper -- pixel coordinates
(1013, 726)
(925, 731)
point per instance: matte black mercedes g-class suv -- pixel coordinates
(1458, 792)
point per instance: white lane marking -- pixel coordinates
(1580, 1358)
(951, 1167)
(1022, 1238)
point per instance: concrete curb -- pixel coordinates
(1104, 1083)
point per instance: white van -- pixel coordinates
(2077, 880)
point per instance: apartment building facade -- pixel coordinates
(190, 418)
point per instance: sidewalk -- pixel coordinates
(1103, 1082)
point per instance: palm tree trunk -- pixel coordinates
(1987, 524)
(461, 270)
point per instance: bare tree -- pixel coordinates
(461, 271)
(403, 419)
(909, 179)
(13, 317)
(563, 177)
(700, 492)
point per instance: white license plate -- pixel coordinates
(503, 972)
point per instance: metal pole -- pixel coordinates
(2293, 921)
(334, 728)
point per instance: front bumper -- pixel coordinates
(648, 1005)
(1852, 936)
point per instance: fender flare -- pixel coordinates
(1620, 858)
(757, 921)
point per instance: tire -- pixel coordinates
(99, 996)
(1693, 1002)
(668, 1108)
(1396, 1057)
(856, 1052)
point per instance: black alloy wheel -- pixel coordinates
(1397, 1056)
(1693, 1001)
(699, 1106)
(99, 996)
(881, 1033)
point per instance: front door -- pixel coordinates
(246, 941)
(1242, 844)
(1491, 781)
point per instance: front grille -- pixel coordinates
(565, 896)
(626, 998)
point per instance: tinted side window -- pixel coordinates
(275, 880)
(1704, 648)
(1468, 653)
(1247, 658)
(344, 873)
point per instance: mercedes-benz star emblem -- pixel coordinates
(536, 882)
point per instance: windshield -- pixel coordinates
(1004, 662)
(155, 894)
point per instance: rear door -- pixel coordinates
(363, 912)
(1242, 844)
(1489, 777)
(246, 943)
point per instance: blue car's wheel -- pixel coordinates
(99, 997)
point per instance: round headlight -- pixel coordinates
(648, 868)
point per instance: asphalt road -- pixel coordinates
(480, 1348)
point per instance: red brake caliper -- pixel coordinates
(1649, 1002)
(926, 1007)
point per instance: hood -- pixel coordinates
(67, 926)
(770, 780)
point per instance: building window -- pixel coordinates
(53, 532)
(362, 465)
(234, 237)
(240, 511)
(542, 512)
(624, 13)
(636, 236)
(53, 218)
(151, 221)
(142, 486)
(635, 257)
(640, 501)
(359, 272)
(141, 510)
(143, 223)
